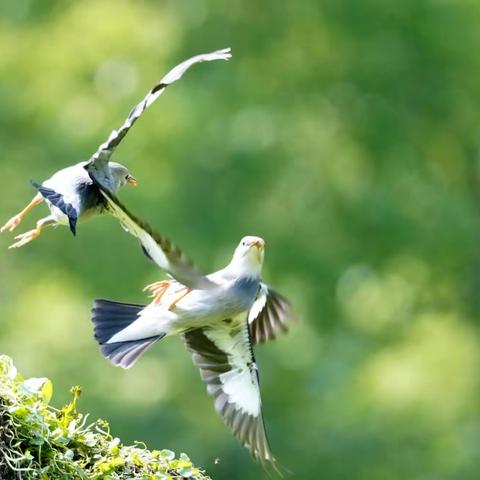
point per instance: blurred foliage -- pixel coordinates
(346, 134)
(41, 442)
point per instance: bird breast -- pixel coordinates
(201, 307)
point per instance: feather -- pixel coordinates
(98, 163)
(224, 355)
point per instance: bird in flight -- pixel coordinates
(70, 193)
(220, 317)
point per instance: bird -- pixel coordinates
(70, 193)
(220, 316)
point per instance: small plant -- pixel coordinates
(38, 441)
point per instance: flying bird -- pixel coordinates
(220, 317)
(70, 193)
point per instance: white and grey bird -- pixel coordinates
(220, 317)
(70, 193)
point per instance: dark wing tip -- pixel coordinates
(72, 222)
(249, 430)
(158, 87)
(275, 317)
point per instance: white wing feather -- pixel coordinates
(98, 163)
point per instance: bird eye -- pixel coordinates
(244, 243)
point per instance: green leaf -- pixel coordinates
(167, 454)
(7, 367)
(38, 386)
(186, 471)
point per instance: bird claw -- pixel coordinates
(12, 224)
(157, 289)
(154, 286)
(25, 238)
(181, 297)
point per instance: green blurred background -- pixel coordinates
(346, 134)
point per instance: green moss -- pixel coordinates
(38, 441)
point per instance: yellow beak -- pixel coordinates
(132, 181)
(260, 248)
(259, 244)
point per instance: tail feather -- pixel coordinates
(125, 354)
(110, 318)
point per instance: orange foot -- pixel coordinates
(25, 238)
(183, 295)
(157, 289)
(12, 224)
(14, 221)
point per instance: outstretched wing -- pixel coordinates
(270, 314)
(225, 358)
(155, 246)
(98, 163)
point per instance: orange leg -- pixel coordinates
(187, 291)
(27, 237)
(153, 287)
(157, 289)
(14, 221)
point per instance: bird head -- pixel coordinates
(121, 175)
(248, 257)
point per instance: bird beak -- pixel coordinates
(259, 244)
(132, 181)
(260, 248)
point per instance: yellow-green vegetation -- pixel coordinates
(39, 441)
